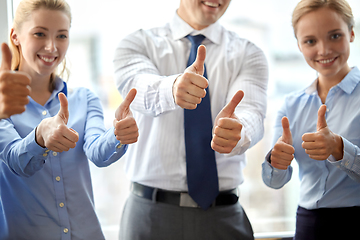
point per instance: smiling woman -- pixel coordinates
(313, 128)
(95, 33)
(44, 41)
(45, 183)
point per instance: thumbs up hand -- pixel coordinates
(323, 143)
(189, 88)
(227, 127)
(282, 153)
(53, 133)
(14, 87)
(126, 130)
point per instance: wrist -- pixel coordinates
(338, 152)
(38, 138)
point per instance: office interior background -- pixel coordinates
(98, 26)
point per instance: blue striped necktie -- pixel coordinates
(201, 168)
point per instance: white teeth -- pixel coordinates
(47, 59)
(211, 4)
(326, 61)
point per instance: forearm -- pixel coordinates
(253, 80)
(103, 149)
(135, 69)
(24, 156)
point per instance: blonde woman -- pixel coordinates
(319, 126)
(45, 183)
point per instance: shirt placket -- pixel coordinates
(329, 104)
(59, 189)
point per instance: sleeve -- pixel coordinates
(350, 162)
(100, 146)
(23, 156)
(135, 68)
(253, 80)
(273, 177)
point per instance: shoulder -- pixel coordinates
(237, 42)
(81, 94)
(295, 98)
(146, 36)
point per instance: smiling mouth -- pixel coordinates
(47, 59)
(326, 61)
(211, 4)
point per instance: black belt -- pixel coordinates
(181, 199)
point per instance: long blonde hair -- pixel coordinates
(342, 7)
(22, 14)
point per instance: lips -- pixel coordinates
(327, 61)
(47, 59)
(211, 4)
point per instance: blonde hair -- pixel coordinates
(342, 7)
(22, 14)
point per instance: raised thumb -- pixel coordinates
(286, 136)
(199, 62)
(6, 57)
(229, 109)
(64, 111)
(321, 122)
(124, 107)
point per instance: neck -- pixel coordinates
(40, 89)
(326, 83)
(184, 16)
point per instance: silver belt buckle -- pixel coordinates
(187, 201)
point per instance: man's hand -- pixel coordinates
(323, 143)
(282, 153)
(126, 130)
(189, 88)
(53, 133)
(14, 87)
(227, 127)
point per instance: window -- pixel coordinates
(95, 33)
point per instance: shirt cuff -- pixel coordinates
(242, 145)
(349, 157)
(166, 89)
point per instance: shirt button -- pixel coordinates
(55, 154)
(47, 150)
(327, 110)
(44, 113)
(45, 154)
(66, 230)
(120, 145)
(58, 178)
(61, 205)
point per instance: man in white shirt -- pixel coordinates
(155, 63)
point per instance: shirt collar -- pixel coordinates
(180, 29)
(60, 86)
(348, 84)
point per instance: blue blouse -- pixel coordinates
(329, 183)
(46, 194)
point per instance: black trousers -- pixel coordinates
(328, 224)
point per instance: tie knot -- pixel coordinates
(196, 40)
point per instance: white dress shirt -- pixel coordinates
(150, 61)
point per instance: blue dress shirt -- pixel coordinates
(45, 194)
(329, 183)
